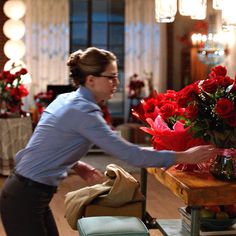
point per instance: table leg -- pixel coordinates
(143, 187)
(195, 220)
(149, 221)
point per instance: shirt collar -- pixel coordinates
(86, 93)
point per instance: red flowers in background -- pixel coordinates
(202, 112)
(106, 113)
(12, 91)
(42, 100)
(135, 87)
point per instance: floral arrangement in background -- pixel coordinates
(198, 27)
(135, 87)
(12, 91)
(106, 114)
(42, 100)
(202, 112)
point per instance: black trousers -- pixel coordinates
(24, 207)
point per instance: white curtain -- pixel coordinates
(145, 44)
(47, 43)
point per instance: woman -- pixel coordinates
(67, 129)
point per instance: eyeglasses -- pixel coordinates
(110, 77)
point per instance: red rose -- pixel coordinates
(224, 81)
(149, 105)
(209, 85)
(168, 110)
(23, 71)
(218, 71)
(10, 78)
(186, 95)
(23, 91)
(160, 99)
(14, 92)
(5, 73)
(19, 92)
(152, 115)
(191, 111)
(224, 108)
(171, 95)
(180, 111)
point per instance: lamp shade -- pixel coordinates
(14, 9)
(217, 4)
(228, 15)
(185, 7)
(199, 9)
(14, 29)
(165, 10)
(14, 49)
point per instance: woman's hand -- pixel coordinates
(197, 154)
(87, 172)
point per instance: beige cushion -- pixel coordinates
(131, 209)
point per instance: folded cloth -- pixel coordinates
(119, 189)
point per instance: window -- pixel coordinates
(100, 23)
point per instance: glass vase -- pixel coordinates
(223, 167)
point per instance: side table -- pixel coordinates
(14, 135)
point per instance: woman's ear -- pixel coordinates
(90, 80)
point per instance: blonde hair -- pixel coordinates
(92, 61)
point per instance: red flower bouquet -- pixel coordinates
(202, 112)
(210, 108)
(42, 100)
(11, 92)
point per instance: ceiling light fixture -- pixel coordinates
(165, 10)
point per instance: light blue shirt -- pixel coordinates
(69, 126)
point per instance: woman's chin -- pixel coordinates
(111, 96)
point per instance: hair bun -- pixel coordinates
(74, 58)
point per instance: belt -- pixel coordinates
(32, 183)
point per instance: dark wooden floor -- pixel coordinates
(161, 203)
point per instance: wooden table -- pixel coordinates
(14, 135)
(196, 190)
